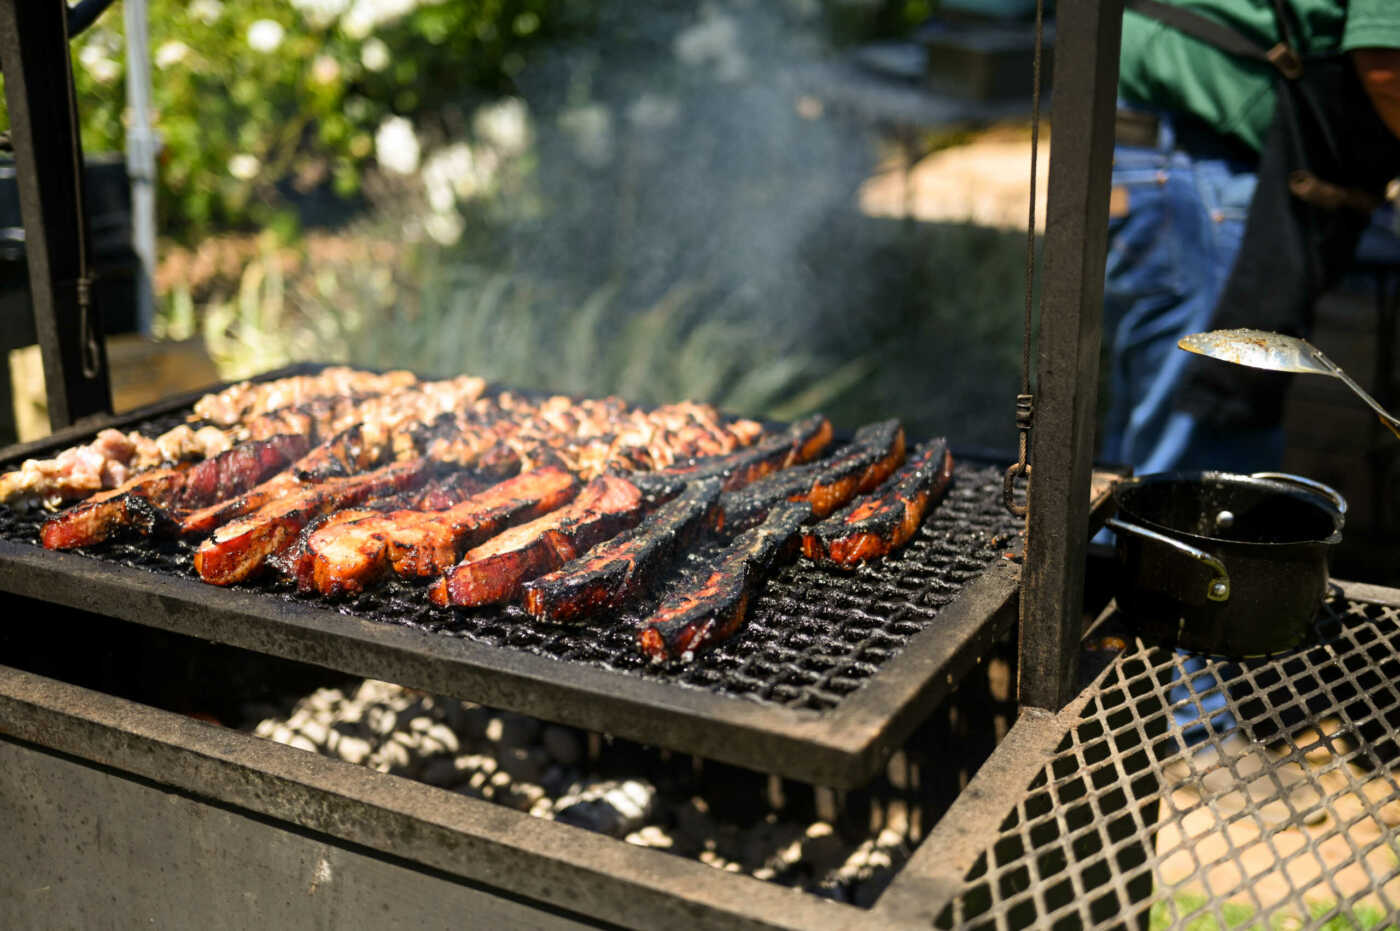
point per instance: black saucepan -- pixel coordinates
(1232, 565)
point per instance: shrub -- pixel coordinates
(262, 103)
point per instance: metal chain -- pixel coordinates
(1025, 401)
(90, 350)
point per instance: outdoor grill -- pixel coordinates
(879, 696)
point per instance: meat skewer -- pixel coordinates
(615, 572)
(240, 549)
(145, 502)
(884, 521)
(238, 403)
(700, 615)
(351, 556)
(495, 571)
(874, 452)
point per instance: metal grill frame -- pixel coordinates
(843, 746)
(1068, 809)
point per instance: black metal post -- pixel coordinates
(1076, 233)
(49, 171)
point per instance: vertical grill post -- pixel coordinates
(48, 169)
(1076, 236)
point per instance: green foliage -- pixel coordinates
(262, 102)
(1194, 912)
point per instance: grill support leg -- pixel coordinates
(1062, 441)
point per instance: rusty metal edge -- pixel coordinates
(480, 842)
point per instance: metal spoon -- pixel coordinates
(1261, 349)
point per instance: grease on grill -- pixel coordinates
(813, 637)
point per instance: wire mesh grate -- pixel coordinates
(813, 637)
(1205, 793)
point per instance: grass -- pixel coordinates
(1196, 911)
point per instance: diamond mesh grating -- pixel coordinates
(814, 636)
(1279, 812)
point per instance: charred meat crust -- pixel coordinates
(874, 452)
(799, 443)
(495, 571)
(237, 470)
(615, 572)
(295, 562)
(698, 616)
(146, 503)
(240, 549)
(884, 521)
(418, 543)
(127, 508)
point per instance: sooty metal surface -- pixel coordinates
(835, 659)
(1281, 812)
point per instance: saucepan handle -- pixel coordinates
(1219, 587)
(1327, 491)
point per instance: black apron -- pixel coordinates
(1324, 167)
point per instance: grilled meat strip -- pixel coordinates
(799, 443)
(146, 502)
(495, 570)
(874, 452)
(352, 556)
(884, 521)
(347, 449)
(295, 561)
(613, 573)
(241, 548)
(126, 508)
(698, 616)
(112, 457)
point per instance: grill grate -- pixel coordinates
(814, 636)
(1283, 817)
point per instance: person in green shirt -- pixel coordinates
(1204, 115)
(1252, 137)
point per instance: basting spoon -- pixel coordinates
(1261, 349)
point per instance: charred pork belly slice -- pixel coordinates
(613, 573)
(206, 519)
(884, 521)
(799, 443)
(240, 549)
(295, 562)
(235, 471)
(415, 543)
(701, 614)
(344, 448)
(144, 504)
(112, 457)
(494, 571)
(125, 509)
(874, 452)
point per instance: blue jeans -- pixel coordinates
(1169, 255)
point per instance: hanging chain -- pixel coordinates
(1025, 401)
